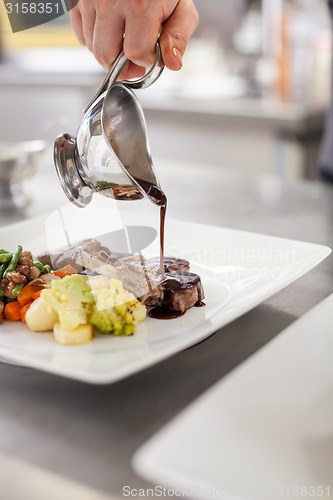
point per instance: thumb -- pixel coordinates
(176, 32)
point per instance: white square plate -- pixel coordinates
(263, 431)
(238, 270)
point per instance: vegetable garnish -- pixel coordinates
(63, 301)
(12, 311)
(17, 273)
(14, 261)
(92, 290)
(116, 311)
(81, 302)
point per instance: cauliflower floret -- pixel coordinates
(80, 335)
(72, 300)
(40, 317)
(116, 310)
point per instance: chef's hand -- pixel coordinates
(108, 26)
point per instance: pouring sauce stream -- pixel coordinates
(156, 195)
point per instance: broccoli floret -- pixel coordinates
(72, 299)
(116, 311)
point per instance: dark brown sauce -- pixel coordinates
(164, 313)
(172, 281)
(162, 229)
(171, 264)
(182, 280)
(156, 195)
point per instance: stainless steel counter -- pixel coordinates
(64, 439)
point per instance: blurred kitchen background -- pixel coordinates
(252, 95)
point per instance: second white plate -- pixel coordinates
(263, 431)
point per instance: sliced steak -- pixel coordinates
(70, 255)
(178, 290)
(145, 285)
(137, 272)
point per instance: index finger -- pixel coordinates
(141, 34)
(108, 42)
(107, 39)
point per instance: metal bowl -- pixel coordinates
(18, 162)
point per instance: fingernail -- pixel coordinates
(176, 52)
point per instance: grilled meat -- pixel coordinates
(178, 289)
(182, 291)
(145, 285)
(71, 255)
(26, 258)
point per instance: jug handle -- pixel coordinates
(141, 83)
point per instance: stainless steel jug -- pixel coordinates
(110, 154)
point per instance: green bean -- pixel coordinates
(39, 265)
(5, 257)
(3, 251)
(13, 263)
(43, 269)
(2, 292)
(17, 289)
(3, 268)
